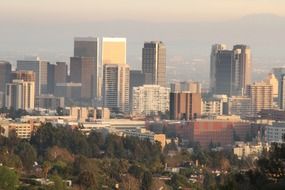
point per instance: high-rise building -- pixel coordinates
(5, 70)
(279, 72)
(230, 69)
(20, 94)
(261, 96)
(136, 79)
(41, 71)
(282, 92)
(116, 74)
(114, 51)
(185, 106)
(81, 71)
(84, 66)
(215, 49)
(154, 63)
(150, 99)
(116, 87)
(243, 69)
(60, 73)
(51, 76)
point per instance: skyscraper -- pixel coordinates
(282, 93)
(5, 70)
(230, 69)
(116, 74)
(116, 87)
(81, 71)
(279, 72)
(84, 66)
(154, 63)
(114, 51)
(215, 49)
(41, 71)
(60, 74)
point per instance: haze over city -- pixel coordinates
(188, 28)
(142, 94)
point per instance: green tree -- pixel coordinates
(146, 181)
(58, 183)
(9, 180)
(27, 154)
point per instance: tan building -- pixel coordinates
(114, 51)
(116, 74)
(20, 94)
(261, 96)
(185, 105)
(272, 80)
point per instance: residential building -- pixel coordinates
(20, 94)
(150, 99)
(261, 96)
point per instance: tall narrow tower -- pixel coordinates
(116, 74)
(154, 63)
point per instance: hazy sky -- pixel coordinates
(146, 10)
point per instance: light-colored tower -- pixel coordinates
(154, 63)
(271, 79)
(150, 99)
(116, 74)
(242, 58)
(116, 87)
(261, 96)
(41, 71)
(20, 94)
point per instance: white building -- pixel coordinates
(150, 99)
(116, 86)
(212, 107)
(20, 94)
(275, 132)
